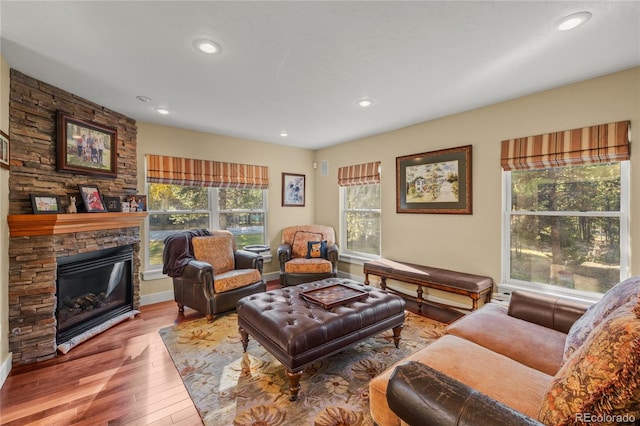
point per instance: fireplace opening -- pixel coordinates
(93, 288)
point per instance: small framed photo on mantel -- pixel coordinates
(92, 199)
(45, 204)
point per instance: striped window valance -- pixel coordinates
(360, 174)
(192, 172)
(596, 144)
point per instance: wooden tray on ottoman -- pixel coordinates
(333, 295)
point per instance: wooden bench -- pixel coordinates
(473, 286)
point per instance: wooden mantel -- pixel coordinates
(21, 225)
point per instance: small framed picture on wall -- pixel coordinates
(293, 190)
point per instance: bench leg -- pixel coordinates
(294, 384)
(244, 338)
(396, 335)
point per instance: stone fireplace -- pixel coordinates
(34, 263)
(40, 243)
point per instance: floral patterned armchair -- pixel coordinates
(307, 253)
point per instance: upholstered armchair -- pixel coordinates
(209, 274)
(307, 253)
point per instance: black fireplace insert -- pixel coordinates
(93, 288)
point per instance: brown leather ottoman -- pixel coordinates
(299, 332)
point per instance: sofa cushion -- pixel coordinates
(602, 377)
(235, 278)
(317, 249)
(493, 328)
(513, 384)
(307, 266)
(216, 250)
(617, 296)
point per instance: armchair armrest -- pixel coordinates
(421, 395)
(197, 271)
(332, 253)
(284, 254)
(548, 311)
(248, 260)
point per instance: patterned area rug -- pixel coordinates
(230, 387)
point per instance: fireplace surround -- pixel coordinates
(34, 261)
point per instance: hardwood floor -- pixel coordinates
(123, 376)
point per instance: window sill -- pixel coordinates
(156, 274)
(153, 274)
(579, 297)
(355, 258)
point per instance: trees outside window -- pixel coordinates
(566, 227)
(174, 208)
(360, 230)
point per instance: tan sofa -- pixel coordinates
(538, 360)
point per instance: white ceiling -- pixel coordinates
(302, 66)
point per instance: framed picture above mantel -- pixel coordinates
(435, 182)
(85, 148)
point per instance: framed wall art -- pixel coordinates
(4, 150)
(293, 190)
(45, 204)
(86, 148)
(92, 199)
(434, 182)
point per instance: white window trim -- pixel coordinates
(509, 284)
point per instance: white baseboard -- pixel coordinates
(150, 299)
(5, 369)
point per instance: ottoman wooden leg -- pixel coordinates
(396, 335)
(294, 384)
(244, 338)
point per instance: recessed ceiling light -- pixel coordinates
(284, 134)
(207, 46)
(143, 98)
(574, 20)
(364, 103)
(162, 111)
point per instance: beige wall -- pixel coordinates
(5, 356)
(472, 243)
(164, 140)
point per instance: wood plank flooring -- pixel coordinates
(123, 376)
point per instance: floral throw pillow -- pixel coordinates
(600, 382)
(617, 296)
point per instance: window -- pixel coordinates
(565, 221)
(360, 234)
(173, 208)
(360, 210)
(567, 226)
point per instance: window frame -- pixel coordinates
(352, 256)
(155, 271)
(509, 284)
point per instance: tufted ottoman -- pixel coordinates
(299, 333)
